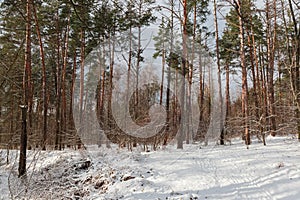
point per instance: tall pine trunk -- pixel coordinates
(168, 120)
(162, 74)
(295, 66)
(222, 136)
(227, 95)
(138, 62)
(111, 72)
(244, 74)
(72, 88)
(58, 87)
(63, 83)
(128, 72)
(184, 64)
(26, 92)
(44, 81)
(271, 42)
(81, 92)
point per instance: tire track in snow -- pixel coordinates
(206, 165)
(245, 186)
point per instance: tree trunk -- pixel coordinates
(184, 64)
(227, 91)
(244, 74)
(101, 101)
(63, 83)
(255, 95)
(162, 76)
(271, 41)
(102, 94)
(26, 91)
(263, 92)
(295, 65)
(44, 81)
(82, 57)
(139, 51)
(222, 136)
(256, 83)
(111, 72)
(23, 143)
(168, 120)
(201, 95)
(29, 74)
(190, 77)
(128, 73)
(72, 88)
(58, 87)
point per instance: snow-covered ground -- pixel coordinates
(206, 172)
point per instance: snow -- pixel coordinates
(196, 172)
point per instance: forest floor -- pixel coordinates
(196, 172)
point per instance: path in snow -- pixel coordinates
(231, 172)
(210, 172)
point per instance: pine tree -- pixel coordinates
(27, 88)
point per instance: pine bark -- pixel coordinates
(162, 75)
(227, 91)
(128, 71)
(63, 83)
(71, 105)
(244, 73)
(111, 72)
(168, 111)
(184, 64)
(271, 42)
(26, 92)
(82, 58)
(44, 80)
(58, 87)
(222, 136)
(295, 65)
